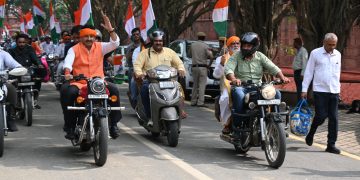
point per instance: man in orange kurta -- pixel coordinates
(87, 58)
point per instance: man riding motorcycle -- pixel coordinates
(86, 58)
(25, 55)
(249, 64)
(151, 58)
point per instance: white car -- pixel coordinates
(182, 48)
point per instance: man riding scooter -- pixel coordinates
(86, 58)
(151, 58)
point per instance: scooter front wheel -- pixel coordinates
(173, 135)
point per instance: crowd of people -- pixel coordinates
(82, 51)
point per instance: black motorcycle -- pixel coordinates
(4, 104)
(92, 120)
(261, 125)
(51, 61)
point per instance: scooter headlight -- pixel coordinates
(268, 92)
(97, 85)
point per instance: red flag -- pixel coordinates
(77, 15)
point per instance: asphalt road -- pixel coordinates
(42, 152)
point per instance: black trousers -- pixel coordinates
(298, 82)
(68, 95)
(11, 97)
(326, 106)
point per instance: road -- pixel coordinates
(42, 152)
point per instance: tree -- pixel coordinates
(260, 16)
(315, 18)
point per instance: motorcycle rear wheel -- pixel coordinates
(2, 132)
(275, 144)
(28, 108)
(100, 145)
(173, 135)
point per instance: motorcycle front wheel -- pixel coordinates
(28, 108)
(173, 135)
(101, 142)
(2, 132)
(275, 144)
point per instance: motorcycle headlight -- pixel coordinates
(97, 85)
(25, 78)
(163, 74)
(51, 56)
(268, 92)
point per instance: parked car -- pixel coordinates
(182, 48)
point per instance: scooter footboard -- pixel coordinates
(169, 113)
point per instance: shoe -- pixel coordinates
(11, 125)
(332, 149)
(226, 130)
(203, 105)
(309, 139)
(114, 132)
(70, 135)
(36, 105)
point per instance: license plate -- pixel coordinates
(269, 102)
(26, 84)
(98, 96)
(166, 84)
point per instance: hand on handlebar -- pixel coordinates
(41, 66)
(286, 80)
(181, 73)
(236, 82)
(68, 76)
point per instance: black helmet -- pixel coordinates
(157, 33)
(250, 38)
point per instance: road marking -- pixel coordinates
(165, 154)
(344, 153)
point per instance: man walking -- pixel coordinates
(324, 68)
(299, 64)
(200, 53)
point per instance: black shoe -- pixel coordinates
(309, 139)
(332, 149)
(114, 132)
(11, 126)
(70, 135)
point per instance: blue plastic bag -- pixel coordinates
(300, 119)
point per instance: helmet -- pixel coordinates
(157, 34)
(98, 34)
(250, 38)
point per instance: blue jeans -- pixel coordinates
(238, 96)
(145, 98)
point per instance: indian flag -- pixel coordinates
(22, 24)
(30, 26)
(129, 19)
(219, 16)
(86, 13)
(2, 12)
(55, 36)
(38, 12)
(148, 24)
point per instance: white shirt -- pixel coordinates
(219, 69)
(48, 48)
(7, 61)
(106, 48)
(300, 60)
(60, 50)
(325, 68)
(135, 54)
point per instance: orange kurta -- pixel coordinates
(89, 63)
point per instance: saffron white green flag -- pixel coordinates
(39, 13)
(2, 12)
(55, 36)
(129, 20)
(219, 16)
(86, 12)
(148, 24)
(22, 24)
(30, 26)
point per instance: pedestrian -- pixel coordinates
(299, 65)
(324, 69)
(200, 52)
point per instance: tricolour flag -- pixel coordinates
(148, 24)
(39, 14)
(219, 16)
(2, 12)
(30, 26)
(129, 19)
(22, 24)
(55, 36)
(86, 12)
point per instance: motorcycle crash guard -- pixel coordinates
(169, 113)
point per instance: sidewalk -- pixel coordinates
(348, 134)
